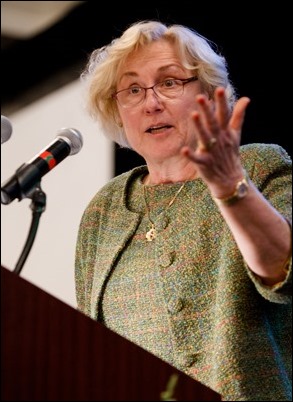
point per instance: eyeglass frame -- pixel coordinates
(184, 81)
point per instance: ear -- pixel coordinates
(117, 119)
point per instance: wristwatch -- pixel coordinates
(240, 192)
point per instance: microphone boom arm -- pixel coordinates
(38, 206)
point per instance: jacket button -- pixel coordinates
(167, 259)
(162, 223)
(175, 305)
(186, 360)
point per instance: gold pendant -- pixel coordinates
(151, 234)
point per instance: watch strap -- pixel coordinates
(239, 193)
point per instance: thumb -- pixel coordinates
(238, 114)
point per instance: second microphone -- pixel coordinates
(68, 142)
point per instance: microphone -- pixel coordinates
(22, 184)
(6, 129)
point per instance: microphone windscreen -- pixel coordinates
(6, 129)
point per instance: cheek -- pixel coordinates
(185, 123)
(128, 119)
(184, 113)
(131, 129)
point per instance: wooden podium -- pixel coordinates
(52, 352)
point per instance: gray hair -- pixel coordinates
(100, 75)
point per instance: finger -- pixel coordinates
(205, 142)
(202, 135)
(238, 114)
(194, 156)
(223, 112)
(207, 113)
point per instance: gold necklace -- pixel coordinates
(152, 233)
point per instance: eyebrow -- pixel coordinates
(160, 70)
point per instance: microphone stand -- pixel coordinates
(38, 206)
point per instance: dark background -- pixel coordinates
(255, 39)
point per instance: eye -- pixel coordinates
(169, 83)
(134, 90)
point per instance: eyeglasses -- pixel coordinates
(168, 89)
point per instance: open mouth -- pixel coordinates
(158, 129)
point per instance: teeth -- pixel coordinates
(157, 128)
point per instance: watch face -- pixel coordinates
(242, 190)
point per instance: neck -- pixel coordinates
(170, 175)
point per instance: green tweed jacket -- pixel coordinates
(229, 331)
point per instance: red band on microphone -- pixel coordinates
(49, 158)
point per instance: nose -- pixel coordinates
(152, 100)
(151, 91)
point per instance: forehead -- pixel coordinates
(156, 56)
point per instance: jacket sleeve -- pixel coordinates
(271, 172)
